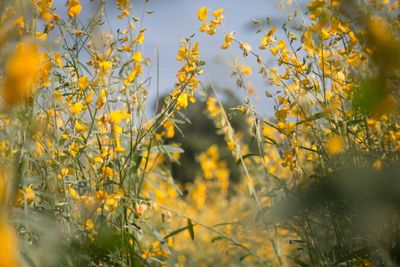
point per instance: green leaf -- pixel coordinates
(270, 139)
(166, 149)
(225, 223)
(313, 117)
(217, 238)
(177, 231)
(244, 256)
(190, 228)
(247, 156)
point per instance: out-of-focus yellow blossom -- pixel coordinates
(58, 59)
(105, 66)
(76, 108)
(89, 225)
(107, 171)
(279, 47)
(9, 245)
(27, 194)
(83, 82)
(139, 39)
(335, 145)
(202, 16)
(44, 7)
(80, 127)
(228, 40)
(245, 70)
(214, 23)
(117, 116)
(137, 57)
(246, 48)
(74, 8)
(26, 68)
(267, 38)
(41, 36)
(170, 128)
(19, 24)
(122, 4)
(102, 99)
(182, 101)
(212, 108)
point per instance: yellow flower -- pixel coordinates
(335, 145)
(267, 38)
(137, 57)
(170, 128)
(279, 47)
(73, 149)
(245, 70)
(74, 8)
(8, 245)
(57, 95)
(29, 193)
(122, 4)
(102, 99)
(44, 7)
(58, 59)
(182, 101)
(245, 47)
(228, 40)
(41, 36)
(21, 70)
(218, 13)
(336, 3)
(107, 171)
(377, 165)
(76, 108)
(118, 147)
(140, 208)
(105, 66)
(26, 194)
(214, 23)
(80, 127)
(73, 193)
(202, 14)
(354, 60)
(89, 225)
(19, 24)
(212, 108)
(136, 72)
(83, 82)
(139, 38)
(117, 116)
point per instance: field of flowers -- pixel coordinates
(89, 176)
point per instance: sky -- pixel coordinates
(173, 20)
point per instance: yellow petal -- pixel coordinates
(218, 13)
(74, 8)
(137, 57)
(83, 82)
(202, 14)
(58, 59)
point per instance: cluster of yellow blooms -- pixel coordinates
(187, 80)
(80, 132)
(318, 112)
